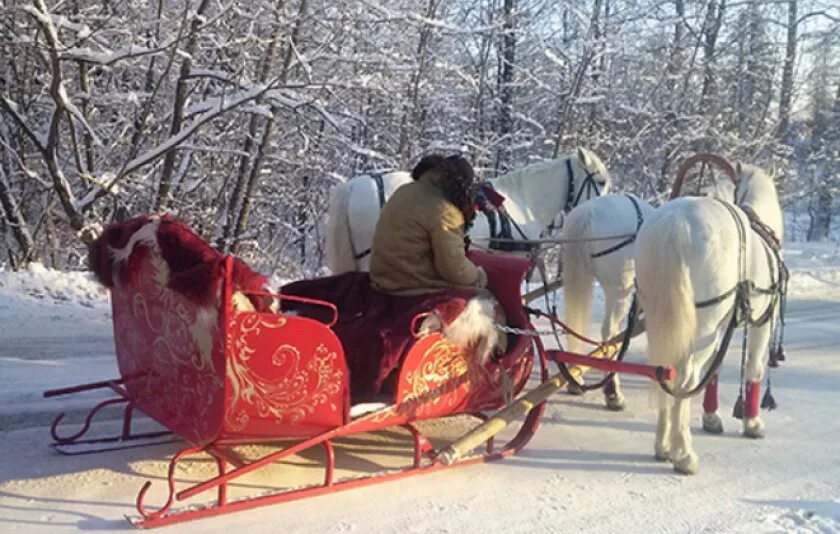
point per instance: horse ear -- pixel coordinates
(771, 172)
(583, 155)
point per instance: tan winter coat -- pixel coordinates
(418, 244)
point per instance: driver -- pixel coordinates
(418, 244)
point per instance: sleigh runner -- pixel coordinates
(218, 368)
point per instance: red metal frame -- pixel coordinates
(657, 373)
(126, 435)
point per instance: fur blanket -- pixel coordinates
(374, 327)
(196, 269)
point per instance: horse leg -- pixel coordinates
(662, 444)
(757, 342)
(682, 452)
(712, 422)
(616, 304)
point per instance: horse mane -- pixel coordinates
(756, 190)
(528, 172)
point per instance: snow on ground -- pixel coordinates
(585, 470)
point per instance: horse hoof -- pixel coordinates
(687, 465)
(712, 423)
(615, 402)
(753, 428)
(662, 455)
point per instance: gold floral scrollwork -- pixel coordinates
(288, 390)
(442, 370)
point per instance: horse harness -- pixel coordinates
(639, 220)
(380, 189)
(745, 288)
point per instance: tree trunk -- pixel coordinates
(821, 213)
(16, 221)
(508, 56)
(577, 80)
(268, 130)
(786, 91)
(178, 107)
(410, 116)
(248, 146)
(679, 27)
(711, 29)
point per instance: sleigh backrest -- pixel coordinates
(170, 349)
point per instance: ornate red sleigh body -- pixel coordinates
(200, 352)
(219, 374)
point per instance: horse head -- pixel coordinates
(756, 188)
(590, 179)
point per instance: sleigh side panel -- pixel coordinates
(286, 377)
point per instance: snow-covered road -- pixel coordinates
(586, 469)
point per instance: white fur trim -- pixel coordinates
(147, 235)
(359, 410)
(202, 330)
(473, 329)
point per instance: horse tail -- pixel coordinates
(338, 240)
(577, 274)
(664, 285)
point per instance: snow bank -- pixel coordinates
(814, 267)
(38, 282)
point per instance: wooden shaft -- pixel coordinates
(507, 415)
(540, 291)
(504, 417)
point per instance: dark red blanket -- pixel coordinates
(374, 327)
(195, 267)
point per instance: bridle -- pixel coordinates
(589, 185)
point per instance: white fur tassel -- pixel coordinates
(474, 328)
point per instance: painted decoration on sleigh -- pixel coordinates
(283, 372)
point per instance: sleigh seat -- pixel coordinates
(379, 331)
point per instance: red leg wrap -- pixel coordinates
(751, 399)
(710, 399)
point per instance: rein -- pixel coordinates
(639, 220)
(622, 351)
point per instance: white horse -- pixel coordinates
(690, 254)
(534, 195)
(610, 262)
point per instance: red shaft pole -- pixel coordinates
(654, 372)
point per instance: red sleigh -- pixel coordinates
(218, 370)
